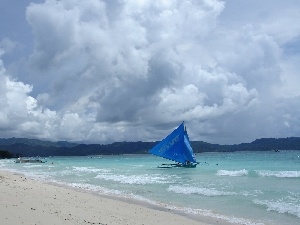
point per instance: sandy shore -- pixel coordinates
(27, 201)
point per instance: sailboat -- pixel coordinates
(176, 147)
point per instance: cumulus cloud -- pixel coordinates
(104, 71)
(7, 45)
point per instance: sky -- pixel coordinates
(103, 71)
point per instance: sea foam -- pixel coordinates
(232, 173)
(280, 207)
(90, 169)
(198, 190)
(133, 179)
(209, 213)
(282, 174)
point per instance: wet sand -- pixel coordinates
(27, 201)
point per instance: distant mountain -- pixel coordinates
(35, 142)
(34, 147)
(263, 144)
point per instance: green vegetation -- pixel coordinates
(5, 154)
(32, 147)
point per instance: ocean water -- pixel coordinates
(238, 187)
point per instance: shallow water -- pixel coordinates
(239, 187)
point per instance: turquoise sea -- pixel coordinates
(238, 187)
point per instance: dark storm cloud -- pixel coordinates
(103, 71)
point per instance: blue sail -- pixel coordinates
(176, 146)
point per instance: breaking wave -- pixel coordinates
(198, 190)
(280, 207)
(90, 169)
(134, 179)
(232, 173)
(282, 174)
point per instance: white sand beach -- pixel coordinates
(27, 201)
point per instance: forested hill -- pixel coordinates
(33, 147)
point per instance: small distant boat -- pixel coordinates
(176, 147)
(29, 160)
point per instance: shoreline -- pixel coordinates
(28, 201)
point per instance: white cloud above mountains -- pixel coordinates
(103, 71)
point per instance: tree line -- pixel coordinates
(15, 147)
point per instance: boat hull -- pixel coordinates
(31, 160)
(191, 165)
